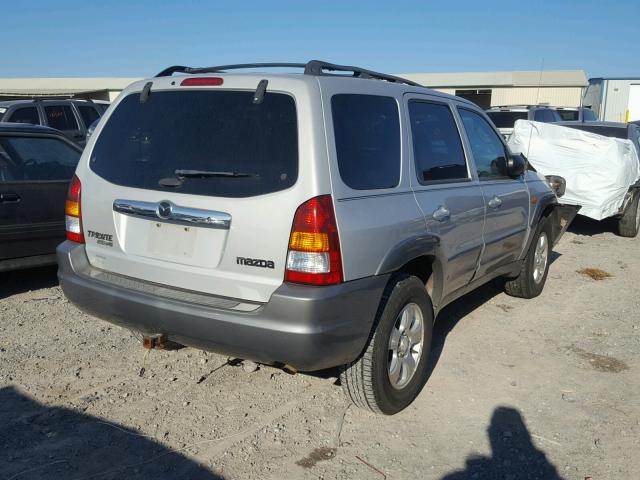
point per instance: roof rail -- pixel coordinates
(313, 67)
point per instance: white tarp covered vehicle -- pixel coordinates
(601, 173)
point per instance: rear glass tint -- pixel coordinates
(61, 117)
(506, 119)
(568, 115)
(367, 134)
(211, 131)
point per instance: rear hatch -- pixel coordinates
(196, 188)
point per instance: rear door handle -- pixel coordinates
(441, 214)
(9, 197)
(495, 202)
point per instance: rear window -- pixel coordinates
(568, 115)
(367, 134)
(209, 131)
(506, 119)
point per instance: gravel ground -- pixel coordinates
(545, 388)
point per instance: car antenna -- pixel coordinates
(580, 112)
(537, 102)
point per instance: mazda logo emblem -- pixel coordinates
(164, 209)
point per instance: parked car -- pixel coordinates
(600, 162)
(576, 114)
(36, 165)
(505, 117)
(71, 117)
(312, 221)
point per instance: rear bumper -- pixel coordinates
(308, 328)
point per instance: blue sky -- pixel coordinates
(139, 38)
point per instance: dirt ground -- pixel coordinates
(545, 388)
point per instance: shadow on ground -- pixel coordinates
(20, 281)
(456, 311)
(40, 442)
(587, 226)
(513, 455)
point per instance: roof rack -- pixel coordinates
(313, 67)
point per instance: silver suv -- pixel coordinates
(303, 220)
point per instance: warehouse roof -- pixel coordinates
(60, 86)
(551, 78)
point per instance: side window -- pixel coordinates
(546, 116)
(488, 150)
(588, 115)
(36, 158)
(88, 114)
(367, 135)
(25, 115)
(437, 148)
(61, 117)
(8, 168)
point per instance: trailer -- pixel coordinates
(614, 99)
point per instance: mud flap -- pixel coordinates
(561, 218)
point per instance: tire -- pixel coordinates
(367, 381)
(629, 223)
(530, 282)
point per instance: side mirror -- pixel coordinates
(516, 165)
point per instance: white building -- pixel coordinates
(562, 88)
(614, 99)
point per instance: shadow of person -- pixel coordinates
(514, 457)
(40, 442)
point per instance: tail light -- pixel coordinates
(314, 247)
(73, 213)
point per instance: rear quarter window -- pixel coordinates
(214, 131)
(367, 137)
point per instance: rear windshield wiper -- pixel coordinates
(182, 175)
(210, 174)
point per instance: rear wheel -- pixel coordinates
(629, 223)
(393, 368)
(530, 282)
